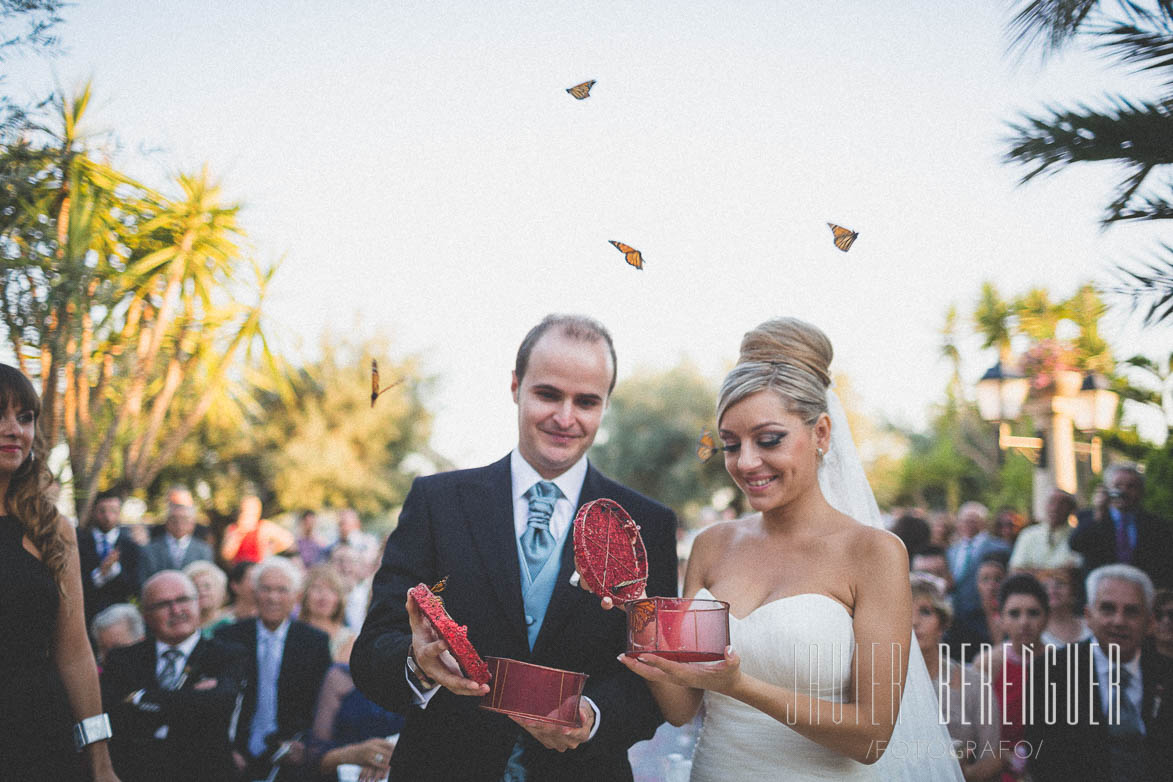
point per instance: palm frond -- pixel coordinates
(1135, 134)
(1150, 286)
(1147, 50)
(1047, 25)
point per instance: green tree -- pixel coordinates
(1132, 133)
(648, 439)
(25, 25)
(320, 446)
(131, 308)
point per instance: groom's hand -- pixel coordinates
(431, 654)
(558, 737)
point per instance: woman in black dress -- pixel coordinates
(42, 625)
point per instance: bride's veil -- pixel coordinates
(920, 749)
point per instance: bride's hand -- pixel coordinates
(722, 676)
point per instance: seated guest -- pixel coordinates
(933, 560)
(981, 625)
(240, 584)
(310, 548)
(972, 731)
(171, 696)
(1007, 524)
(1011, 665)
(349, 728)
(1162, 634)
(251, 538)
(354, 565)
(967, 554)
(323, 606)
(212, 587)
(1120, 727)
(287, 661)
(350, 533)
(1066, 624)
(941, 529)
(177, 547)
(109, 557)
(1118, 529)
(114, 627)
(1044, 546)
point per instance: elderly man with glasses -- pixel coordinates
(171, 696)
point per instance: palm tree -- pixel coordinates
(994, 319)
(134, 309)
(1136, 134)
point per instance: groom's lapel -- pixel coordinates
(562, 601)
(487, 507)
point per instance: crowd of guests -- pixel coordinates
(230, 661)
(1026, 618)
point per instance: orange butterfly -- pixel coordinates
(375, 390)
(641, 613)
(630, 254)
(707, 446)
(581, 91)
(439, 587)
(843, 236)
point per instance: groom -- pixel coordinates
(501, 535)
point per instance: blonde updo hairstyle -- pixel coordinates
(788, 356)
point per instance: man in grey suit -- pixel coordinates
(176, 547)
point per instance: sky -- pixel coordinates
(424, 176)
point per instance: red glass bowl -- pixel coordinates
(681, 629)
(534, 691)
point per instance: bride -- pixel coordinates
(819, 602)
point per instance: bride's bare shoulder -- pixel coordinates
(720, 536)
(877, 547)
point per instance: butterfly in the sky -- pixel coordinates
(375, 390)
(706, 446)
(581, 91)
(630, 254)
(843, 236)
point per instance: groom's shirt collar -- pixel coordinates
(569, 483)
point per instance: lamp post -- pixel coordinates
(1072, 400)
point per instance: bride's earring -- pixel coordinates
(820, 452)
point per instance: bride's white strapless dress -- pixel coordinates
(803, 642)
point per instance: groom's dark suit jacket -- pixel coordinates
(460, 525)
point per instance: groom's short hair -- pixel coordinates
(578, 327)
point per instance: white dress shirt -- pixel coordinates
(1040, 547)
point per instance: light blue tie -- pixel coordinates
(537, 541)
(265, 718)
(169, 678)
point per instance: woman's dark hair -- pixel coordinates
(1023, 584)
(27, 497)
(914, 531)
